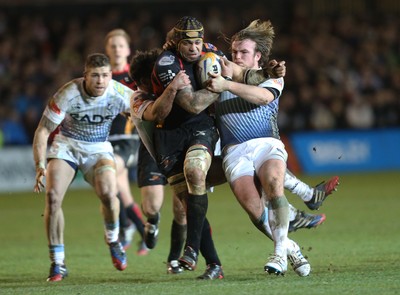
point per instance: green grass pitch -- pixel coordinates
(356, 250)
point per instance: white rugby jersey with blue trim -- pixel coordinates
(87, 118)
(239, 120)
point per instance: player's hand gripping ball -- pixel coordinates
(209, 62)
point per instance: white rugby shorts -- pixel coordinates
(84, 154)
(247, 157)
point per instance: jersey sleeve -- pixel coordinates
(275, 85)
(139, 103)
(165, 69)
(125, 93)
(58, 105)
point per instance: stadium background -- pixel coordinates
(342, 56)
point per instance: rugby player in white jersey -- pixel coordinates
(247, 122)
(83, 109)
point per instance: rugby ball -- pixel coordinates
(209, 62)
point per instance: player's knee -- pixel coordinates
(150, 209)
(274, 186)
(104, 165)
(195, 175)
(197, 163)
(178, 184)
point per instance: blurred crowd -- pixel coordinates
(343, 69)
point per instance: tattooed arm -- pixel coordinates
(42, 133)
(162, 106)
(195, 101)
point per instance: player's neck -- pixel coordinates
(118, 67)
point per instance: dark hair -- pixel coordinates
(96, 60)
(142, 64)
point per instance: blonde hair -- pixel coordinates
(117, 32)
(262, 33)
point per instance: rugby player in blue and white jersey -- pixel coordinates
(247, 122)
(84, 108)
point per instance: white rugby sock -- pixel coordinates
(297, 187)
(57, 254)
(278, 216)
(111, 232)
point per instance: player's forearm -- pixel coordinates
(253, 94)
(196, 102)
(39, 148)
(238, 72)
(254, 77)
(249, 76)
(163, 105)
(40, 139)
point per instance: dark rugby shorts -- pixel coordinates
(127, 149)
(148, 171)
(171, 145)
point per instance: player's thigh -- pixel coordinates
(237, 162)
(119, 164)
(124, 188)
(105, 181)
(149, 174)
(58, 177)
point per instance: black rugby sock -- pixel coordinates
(178, 236)
(154, 219)
(123, 218)
(207, 247)
(196, 213)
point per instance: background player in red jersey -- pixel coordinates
(124, 141)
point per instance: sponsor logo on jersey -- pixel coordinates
(166, 60)
(166, 78)
(76, 107)
(92, 119)
(120, 88)
(277, 81)
(200, 133)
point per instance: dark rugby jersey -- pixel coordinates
(168, 64)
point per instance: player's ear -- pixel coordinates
(258, 56)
